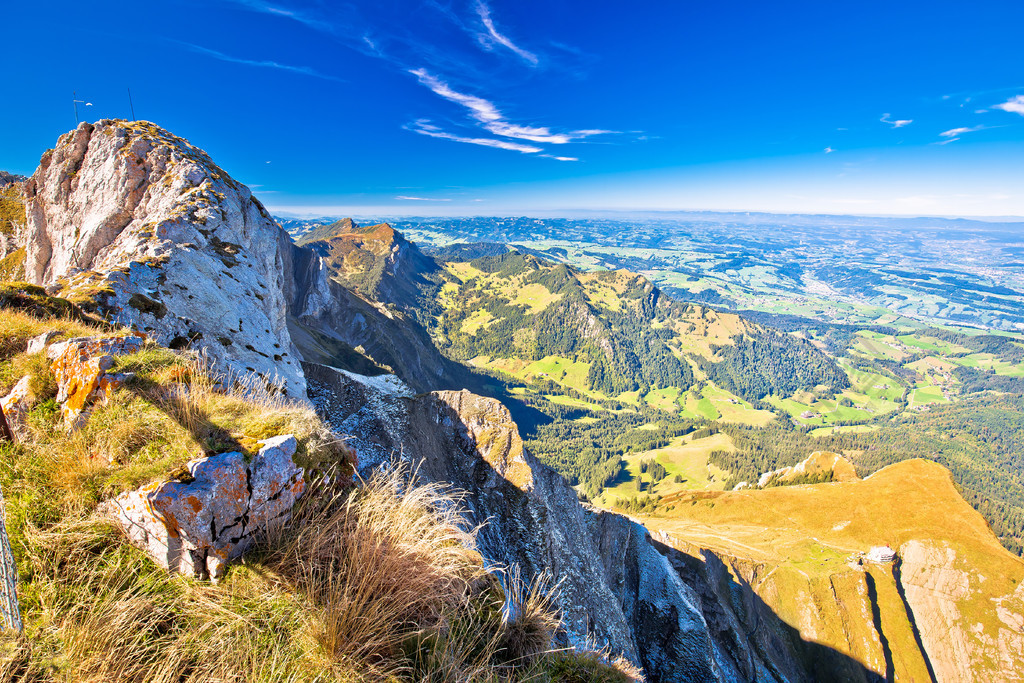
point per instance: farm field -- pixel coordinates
(684, 457)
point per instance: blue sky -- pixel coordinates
(490, 107)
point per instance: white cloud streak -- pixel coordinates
(956, 132)
(897, 123)
(494, 36)
(829, 150)
(420, 199)
(304, 70)
(1014, 105)
(491, 119)
(427, 128)
(263, 7)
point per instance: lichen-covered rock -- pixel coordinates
(197, 525)
(16, 404)
(126, 217)
(80, 367)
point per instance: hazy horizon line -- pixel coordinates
(312, 212)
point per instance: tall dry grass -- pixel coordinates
(379, 583)
(382, 564)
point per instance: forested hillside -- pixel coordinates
(613, 333)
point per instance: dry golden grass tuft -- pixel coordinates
(379, 564)
(530, 618)
(376, 583)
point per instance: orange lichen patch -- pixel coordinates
(78, 380)
(108, 384)
(80, 368)
(197, 526)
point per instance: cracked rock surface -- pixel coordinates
(197, 525)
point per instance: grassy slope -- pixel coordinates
(685, 456)
(697, 331)
(809, 533)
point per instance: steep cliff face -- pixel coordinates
(143, 226)
(682, 617)
(332, 325)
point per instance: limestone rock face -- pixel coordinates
(328, 321)
(933, 585)
(616, 587)
(198, 524)
(487, 427)
(141, 224)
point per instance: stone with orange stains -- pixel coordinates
(16, 404)
(80, 367)
(197, 526)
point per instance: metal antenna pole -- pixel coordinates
(130, 103)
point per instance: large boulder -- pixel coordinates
(197, 524)
(16, 405)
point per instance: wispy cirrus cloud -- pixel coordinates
(424, 127)
(268, 64)
(895, 123)
(828, 150)
(493, 36)
(406, 198)
(1014, 105)
(278, 9)
(488, 116)
(956, 132)
(379, 30)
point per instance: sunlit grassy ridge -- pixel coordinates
(808, 534)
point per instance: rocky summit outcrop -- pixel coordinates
(143, 226)
(209, 516)
(376, 261)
